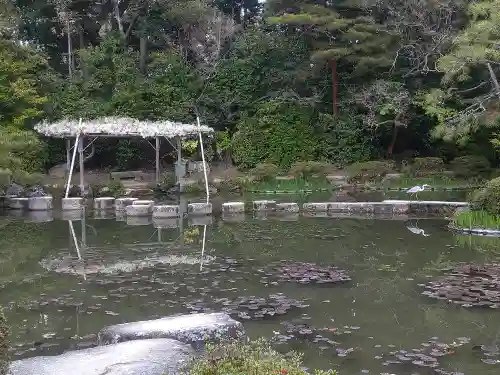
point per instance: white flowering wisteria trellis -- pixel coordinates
(120, 126)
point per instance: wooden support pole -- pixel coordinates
(68, 154)
(80, 150)
(157, 151)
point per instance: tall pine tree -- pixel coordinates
(339, 33)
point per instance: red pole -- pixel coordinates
(335, 93)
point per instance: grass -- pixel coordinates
(476, 219)
(434, 181)
(292, 185)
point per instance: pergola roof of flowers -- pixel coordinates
(119, 127)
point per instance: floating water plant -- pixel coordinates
(305, 273)
(249, 308)
(468, 285)
(427, 355)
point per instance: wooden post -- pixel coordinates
(68, 154)
(157, 151)
(203, 159)
(80, 150)
(72, 166)
(179, 158)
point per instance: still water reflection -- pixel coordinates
(62, 281)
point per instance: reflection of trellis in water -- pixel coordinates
(82, 248)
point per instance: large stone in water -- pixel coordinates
(14, 190)
(36, 191)
(141, 357)
(191, 329)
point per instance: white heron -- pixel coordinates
(417, 189)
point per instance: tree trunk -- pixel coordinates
(81, 37)
(143, 45)
(334, 88)
(397, 124)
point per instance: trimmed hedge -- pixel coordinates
(471, 166)
(369, 171)
(265, 172)
(307, 169)
(424, 166)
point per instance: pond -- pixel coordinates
(135, 272)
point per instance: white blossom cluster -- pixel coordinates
(120, 126)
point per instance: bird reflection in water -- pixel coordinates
(416, 230)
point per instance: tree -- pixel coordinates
(338, 33)
(260, 65)
(278, 131)
(423, 31)
(470, 92)
(241, 11)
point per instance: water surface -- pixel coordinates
(379, 311)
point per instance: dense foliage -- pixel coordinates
(256, 357)
(488, 198)
(283, 81)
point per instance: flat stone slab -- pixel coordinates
(316, 207)
(199, 208)
(72, 204)
(141, 357)
(139, 210)
(122, 203)
(143, 203)
(166, 211)
(104, 203)
(233, 207)
(264, 205)
(40, 203)
(287, 207)
(193, 329)
(428, 203)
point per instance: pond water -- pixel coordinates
(134, 272)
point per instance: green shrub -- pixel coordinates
(424, 166)
(487, 198)
(307, 169)
(5, 177)
(4, 343)
(256, 357)
(346, 140)
(26, 179)
(265, 172)
(471, 166)
(115, 189)
(168, 180)
(276, 132)
(233, 184)
(369, 171)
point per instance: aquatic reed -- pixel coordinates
(475, 219)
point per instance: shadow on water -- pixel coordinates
(57, 297)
